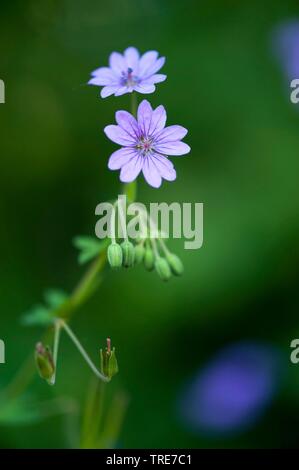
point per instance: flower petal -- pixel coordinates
(170, 134)
(131, 170)
(158, 120)
(117, 62)
(132, 58)
(151, 173)
(146, 61)
(172, 148)
(157, 78)
(127, 122)
(108, 90)
(105, 75)
(164, 166)
(120, 157)
(144, 116)
(122, 90)
(154, 68)
(144, 88)
(118, 135)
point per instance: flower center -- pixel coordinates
(128, 78)
(145, 145)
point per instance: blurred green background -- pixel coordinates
(226, 86)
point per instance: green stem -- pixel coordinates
(134, 103)
(85, 288)
(82, 351)
(93, 414)
(164, 247)
(155, 249)
(55, 350)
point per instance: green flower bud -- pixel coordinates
(115, 255)
(139, 253)
(44, 361)
(149, 259)
(175, 264)
(163, 268)
(109, 366)
(128, 253)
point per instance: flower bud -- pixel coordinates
(175, 264)
(149, 259)
(109, 366)
(115, 255)
(139, 253)
(44, 361)
(128, 253)
(163, 269)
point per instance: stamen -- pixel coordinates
(108, 345)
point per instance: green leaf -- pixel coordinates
(42, 315)
(39, 315)
(89, 248)
(55, 298)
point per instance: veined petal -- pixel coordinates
(158, 121)
(151, 173)
(153, 68)
(164, 166)
(144, 116)
(146, 61)
(144, 88)
(120, 157)
(132, 58)
(170, 134)
(108, 90)
(117, 62)
(119, 136)
(172, 148)
(127, 122)
(157, 78)
(131, 170)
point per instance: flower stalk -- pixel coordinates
(83, 352)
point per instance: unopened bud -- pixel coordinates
(44, 361)
(175, 264)
(115, 255)
(128, 253)
(149, 259)
(163, 269)
(109, 366)
(139, 253)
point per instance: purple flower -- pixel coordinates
(146, 143)
(233, 390)
(129, 72)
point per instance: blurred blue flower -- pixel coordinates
(231, 392)
(286, 47)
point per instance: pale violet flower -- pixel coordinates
(146, 143)
(129, 72)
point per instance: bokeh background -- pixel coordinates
(204, 360)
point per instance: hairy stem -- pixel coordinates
(82, 351)
(55, 350)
